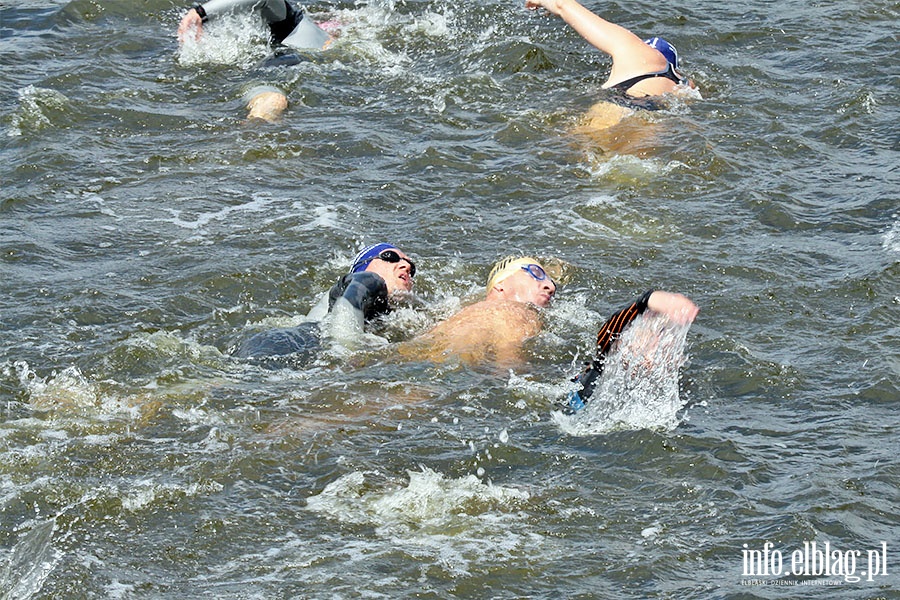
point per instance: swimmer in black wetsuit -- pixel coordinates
(378, 272)
(289, 27)
(641, 70)
(675, 306)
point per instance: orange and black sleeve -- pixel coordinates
(606, 337)
(616, 324)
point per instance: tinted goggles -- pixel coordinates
(392, 256)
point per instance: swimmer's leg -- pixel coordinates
(266, 103)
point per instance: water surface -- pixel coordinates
(148, 227)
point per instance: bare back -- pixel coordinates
(485, 332)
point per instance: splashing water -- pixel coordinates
(31, 561)
(639, 385)
(38, 107)
(231, 40)
(429, 501)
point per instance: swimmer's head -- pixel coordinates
(389, 262)
(664, 48)
(521, 279)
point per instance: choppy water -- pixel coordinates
(146, 227)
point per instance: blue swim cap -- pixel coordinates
(667, 49)
(367, 255)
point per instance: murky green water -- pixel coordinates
(147, 227)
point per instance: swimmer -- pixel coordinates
(642, 71)
(289, 27)
(493, 329)
(379, 274)
(676, 307)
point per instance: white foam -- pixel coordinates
(892, 238)
(240, 39)
(628, 167)
(429, 500)
(145, 493)
(31, 561)
(432, 25)
(34, 104)
(65, 389)
(257, 204)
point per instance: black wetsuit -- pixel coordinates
(608, 334)
(366, 292)
(286, 22)
(620, 90)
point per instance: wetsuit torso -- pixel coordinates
(606, 337)
(365, 294)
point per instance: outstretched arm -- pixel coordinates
(631, 56)
(675, 306)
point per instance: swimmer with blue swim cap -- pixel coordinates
(642, 70)
(640, 67)
(288, 25)
(377, 273)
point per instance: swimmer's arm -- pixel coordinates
(270, 10)
(631, 56)
(357, 298)
(191, 23)
(609, 332)
(676, 307)
(616, 324)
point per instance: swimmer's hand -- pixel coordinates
(551, 6)
(191, 26)
(675, 306)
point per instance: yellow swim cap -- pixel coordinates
(507, 267)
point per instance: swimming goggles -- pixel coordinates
(536, 271)
(392, 256)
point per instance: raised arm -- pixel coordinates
(271, 11)
(630, 55)
(676, 307)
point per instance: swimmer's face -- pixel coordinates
(397, 274)
(531, 285)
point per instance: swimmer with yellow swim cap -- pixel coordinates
(520, 280)
(492, 330)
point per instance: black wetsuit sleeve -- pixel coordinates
(364, 291)
(609, 332)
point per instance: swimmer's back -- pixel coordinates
(488, 331)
